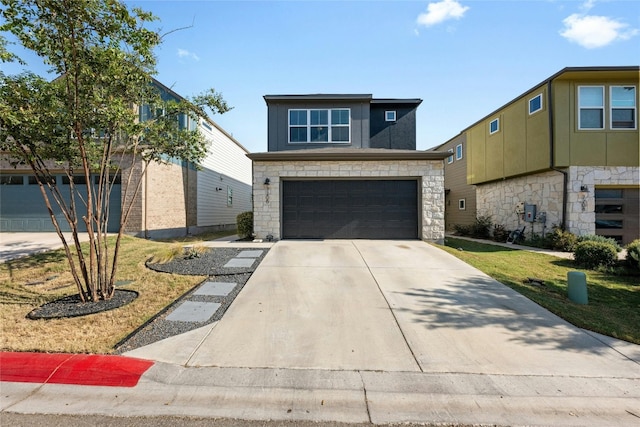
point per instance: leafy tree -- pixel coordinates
(85, 122)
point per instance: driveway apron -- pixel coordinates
(396, 306)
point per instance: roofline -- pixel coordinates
(416, 101)
(341, 97)
(358, 154)
(547, 81)
(206, 117)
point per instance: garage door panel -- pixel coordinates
(350, 209)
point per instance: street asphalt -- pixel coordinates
(370, 332)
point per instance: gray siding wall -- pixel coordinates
(401, 134)
(278, 124)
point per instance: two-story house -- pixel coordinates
(175, 198)
(346, 166)
(564, 153)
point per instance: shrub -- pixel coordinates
(562, 240)
(500, 233)
(244, 222)
(600, 239)
(633, 254)
(462, 230)
(481, 228)
(592, 254)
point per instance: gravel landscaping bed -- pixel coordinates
(210, 264)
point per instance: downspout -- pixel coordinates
(565, 174)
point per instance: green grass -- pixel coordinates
(614, 300)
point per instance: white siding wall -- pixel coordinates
(226, 166)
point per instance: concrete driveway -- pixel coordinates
(393, 306)
(18, 245)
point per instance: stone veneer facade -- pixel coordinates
(545, 190)
(266, 199)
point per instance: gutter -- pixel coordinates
(565, 174)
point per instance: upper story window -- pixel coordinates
(389, 116)
(459, 152)
(494, 126)
(450, 158)
(591, 105)
(319, 126)
(623, 107)
(535, 104)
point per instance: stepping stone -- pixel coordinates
(250, 254)
(240, 262)
(193, 311)
(221, 289)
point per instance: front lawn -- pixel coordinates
(614, 300)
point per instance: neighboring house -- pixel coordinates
(345, 166)
(176, 198)
(564, 153)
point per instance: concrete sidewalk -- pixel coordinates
(372, 331)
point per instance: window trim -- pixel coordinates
(459, 152)
(497, 122)
(390, 116)
(462, 204)
(592, 107)
(450, 158)
(541, 104)
(611, 108)
(308, 126)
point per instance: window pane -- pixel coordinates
(601, 223)
(591, 96)
(623, 118)
(11, 180)
(591, 119)
(459, 152)
(339, 117)
(623, 96)
(609, 209)
(319, 117)
(297, 117)
(602, 193)
(535, 104)
(493, 126)
(319, 134)
(340, 133)
(298, 134)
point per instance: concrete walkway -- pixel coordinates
(372, 331)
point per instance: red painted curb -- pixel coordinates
(76, 369)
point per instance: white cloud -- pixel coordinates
(442, 11)
(591, 31)
(183, 53)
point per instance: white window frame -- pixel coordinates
(611, 108)
(450, 158)
(541, 104)
(459, 152)
(229, 196)
(462, 204)
(591, 107)
(497, 122)
(309, 126)
(389, 116)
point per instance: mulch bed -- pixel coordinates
(72, 306)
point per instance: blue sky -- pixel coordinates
(464, 58)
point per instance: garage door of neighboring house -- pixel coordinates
(350, 209)
(618, 213)
(22, 208)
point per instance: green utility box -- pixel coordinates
(577, 287)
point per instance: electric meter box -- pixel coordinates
(529, 213)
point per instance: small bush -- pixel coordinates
(500, 233)
(633, 254)
(462, 230)
(538, 241)
(600, 239)
(562, 240)
(593, 255)
(481, 229)
(244, 223)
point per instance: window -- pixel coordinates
(623, 107)
(11, 180)
(389, 116)
(494, 126)
(459, 152)
(319, 126)
(462, 204)
(229, 196)
(591, 104)
(535, 104)
(450, 158)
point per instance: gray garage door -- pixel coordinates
(347, 209)
(22, 208)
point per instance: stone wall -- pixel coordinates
(267, 198)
